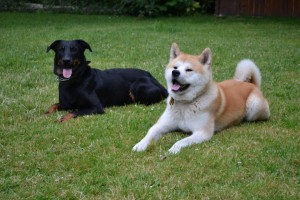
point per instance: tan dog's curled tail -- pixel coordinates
(247, 71)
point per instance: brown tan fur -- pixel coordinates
(234, 102)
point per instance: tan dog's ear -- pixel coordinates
(205, 57)
(175, 51)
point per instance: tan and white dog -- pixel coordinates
(199, 105)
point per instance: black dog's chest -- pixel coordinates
(73, 96)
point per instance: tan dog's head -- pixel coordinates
(188, 76)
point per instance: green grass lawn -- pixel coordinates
(90, 157)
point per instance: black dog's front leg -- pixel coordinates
(56, 107)
(81, 112)
(53, 109)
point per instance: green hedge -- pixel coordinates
(123, 7)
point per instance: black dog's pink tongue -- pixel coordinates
(67, 73)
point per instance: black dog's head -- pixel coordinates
(69, 57)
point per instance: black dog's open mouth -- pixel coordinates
(64, 73)
(64, 69)
(178, 87)
(67, 72)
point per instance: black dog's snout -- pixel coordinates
(67, 57)
(67, 61)
(175, 73)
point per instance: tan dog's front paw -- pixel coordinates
(141, 146)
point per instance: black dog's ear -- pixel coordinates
(53, 45)
(84, 45)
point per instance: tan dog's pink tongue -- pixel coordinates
(175, 87)
(67, 73)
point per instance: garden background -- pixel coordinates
(90, 157)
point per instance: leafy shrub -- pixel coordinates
(158, 7)
(8, 5)
(125, 7)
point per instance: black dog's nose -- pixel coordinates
(66, 61)
(175, 73)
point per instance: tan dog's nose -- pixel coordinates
(175, 73)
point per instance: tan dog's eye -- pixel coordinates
(175, 67)
(188, 70)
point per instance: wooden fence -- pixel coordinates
(258, 7)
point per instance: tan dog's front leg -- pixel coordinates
(196, 138)
(154, 133)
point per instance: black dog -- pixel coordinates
(85, 90)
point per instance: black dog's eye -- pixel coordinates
(61, 48)
(73, 49)
(188, 70)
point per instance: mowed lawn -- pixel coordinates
(91, 157)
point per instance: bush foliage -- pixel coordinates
(123, 7)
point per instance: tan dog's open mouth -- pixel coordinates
(178, 87)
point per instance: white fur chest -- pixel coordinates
(188, 116)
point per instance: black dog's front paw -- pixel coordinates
(67, 117)
(52, 109)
